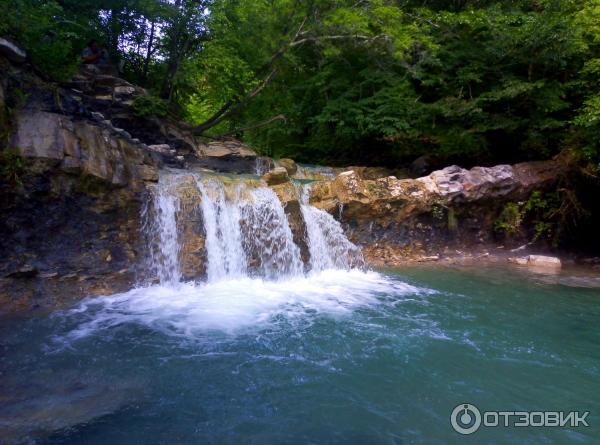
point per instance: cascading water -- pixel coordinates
(246, 231)
(328, 246)
(221, 219)
(160, 225)
(268, 237)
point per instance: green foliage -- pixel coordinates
(542, 211)
(146, 106)
(11, 167)
(42, 29)
(374, 82)
(509, 221)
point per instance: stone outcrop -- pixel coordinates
(447, 209)
(79, 147)
(72, 200)
(289, 165)
(229, 156)
(278, 175)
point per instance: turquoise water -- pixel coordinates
(339, 358)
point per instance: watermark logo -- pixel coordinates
(467, 418)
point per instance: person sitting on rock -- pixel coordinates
(93, 55)
(96, 60)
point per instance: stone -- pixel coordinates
(452, 205)
(11, 51)
(160, 148)
(70, 165)
(521, 261)
(289, 165)
(98, 116)
(228, 155)
(278, 175)
(148, 173)
(124, 90)
(425, 259)
(41, 135)
(545, 262)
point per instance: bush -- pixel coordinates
(40, 28)
(146, 106)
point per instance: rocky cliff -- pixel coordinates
(70, 196)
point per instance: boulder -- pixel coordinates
(278, 175)
(289, 165)
(538, 263)
(544, 262)
(11, 51)
(228, 155)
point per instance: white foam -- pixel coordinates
(232, 305)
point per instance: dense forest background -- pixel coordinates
(377, 82)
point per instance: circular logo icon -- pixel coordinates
(465, 418)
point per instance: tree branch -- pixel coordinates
(279, 117)
(229, 109)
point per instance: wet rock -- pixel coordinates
(98, 116)
(278, 175)
(289, 165)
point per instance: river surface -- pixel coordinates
(333, 357)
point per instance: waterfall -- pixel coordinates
(241, 229)
(328, 246)
(160, 225)
(269, 239)
(223, 231)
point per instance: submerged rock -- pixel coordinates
(34, 411)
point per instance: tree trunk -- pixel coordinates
(149, 52)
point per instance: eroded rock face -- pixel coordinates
(79, 147)
(448, 208)
(70, 223)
